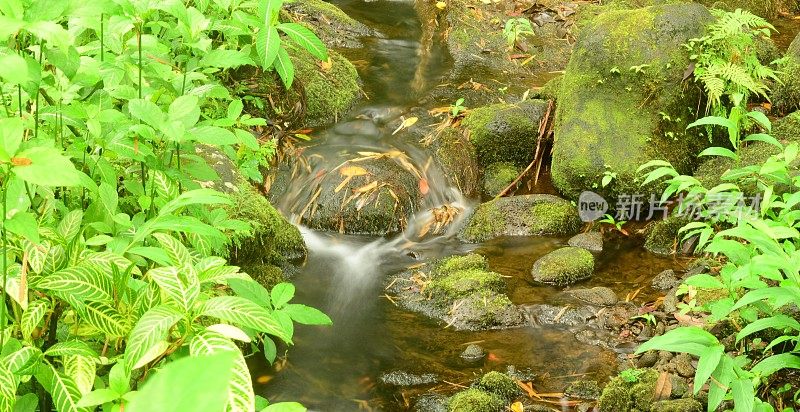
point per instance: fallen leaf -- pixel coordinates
(367, 187)
(423, 186)
(663, 387)
(517, 407)
(406, 123)
(441, 5)
(353, 171)
(326, 65)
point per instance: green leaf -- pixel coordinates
(743, 395)
(119, 379)
(39, 164)
(24, 361)
(243, 312)
(306, 39)
(70, 348)
(104, 318)
(98, 397)
(28, 402)
(8, 388)
(181, 285)
(11, 132)
(146, 111)
(709, 360)
(775, 363)
(153, 327)
(24, 224)
(692, 340)
(188, 384)
(713, 120)
(186, 110)
(70, 225)
(281, 294)
(307, 315)
(240, 388)
(178, 254)
(285, 68)
(719, 151)
(32, 316)
(761, 137)
(82, 370)
(251, 290)
(13, 69)
(779, 322)
(761, 119)
(64, 392)
(226, 59)
(213, 135)
(268, 43)
(82, 282)
(270, 350)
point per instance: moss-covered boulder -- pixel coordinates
(376, 196)
(476, 400)
(528, 215)
(767, 9)
(499, 384)
(633, 390)
(505, 132)
(333, 26)
(498, 176)
(563, 266)
(662, 236)
(272, 239)
(456, 156)
(677, 405)
(623, 100)
(459, 290)
(787, 129)
(786, 93)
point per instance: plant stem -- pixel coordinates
(3, 307)
(102, 37)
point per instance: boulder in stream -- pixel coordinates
(497, 176)
(527, 215)
(563, 266)
(623, 100)
(591, 241)
(333, 26)
(597, 296)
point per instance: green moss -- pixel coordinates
(663, 235)
(764, 8)
(622, 101)
(475, 400)
(499, 384)
(553, 218)
(786, 93)
(461, 283)
(489, 309)
(333, 26)
(486, 223)
(550, 89)
(563, 266)
(623, 395)
(267, 275)
(329, 95)
(272, 240)
(505, 132)
(457, 263)
(498, 176)
(787, 129)
(583, 389)
(677, 405)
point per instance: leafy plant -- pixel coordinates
(515, 28)
(457, 107)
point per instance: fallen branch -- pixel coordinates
(544, 131)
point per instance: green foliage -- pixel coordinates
(515, 28)
(726, 60)
(111, 244)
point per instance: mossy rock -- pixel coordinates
(333, 26)
(563, 266)
(499, 384)
(454, 153)
(462, 283)
(454, 264)
(528, 215)
(498, 176)
(787, 129)
(767, 9)
(505, 132)
(550, 89)
(635, 394)
(623, 101)
(320, 94)
(677, 405)
(583, 389)
(786, 93)
(267, 275)
(663, 235)
(476, 400)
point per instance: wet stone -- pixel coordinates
(583, 389)
(591, 241)
(677, 405)
(647, 359)
(665, 280)
(683, 365)
(431, 402)
(598, 296)
(473, 353)
(403, 378)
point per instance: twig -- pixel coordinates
(543, 128)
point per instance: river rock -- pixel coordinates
(498, 176)
(333, 26)
(623, 100)
(544, 314)
(677, 405)
(583, 389)
(473, 353)
(499, 384)
(431, 402)
(527, 215)
(505, 132)
(591, 241)
(375, 196)
(665, 280)
(403, 378)
(563, 266)
(597, 296)
(461, 291)
(629, 394)
(477, 400)
(662, 236)
(453, 152)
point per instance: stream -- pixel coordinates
(338, 368)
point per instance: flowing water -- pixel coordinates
(338, 368)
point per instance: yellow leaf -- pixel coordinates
(517, 407)
(368, 187)
(406, 123)
(352, 171)
(441, 5)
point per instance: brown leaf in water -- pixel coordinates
(663, 387)
(423, 186)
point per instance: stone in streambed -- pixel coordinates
(475, 400)
(563, 266)
(403, 378)
(527, 215)
(591, 241)
(473, 353)
(665, 280)
(677, 405)
(597, 296)
(498, 176)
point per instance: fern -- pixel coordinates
(726, 62)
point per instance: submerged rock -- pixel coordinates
(403, 378)
(623, 102)
(597, 296)
(505, 132)
(431, 402)
(460, 291)
(665, 280)
(563, 266)
(473, 353)
(333, 26)
(498, 176)
(526, 215)
(591, 241)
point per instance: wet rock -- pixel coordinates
(475, 400)
(679, 386)
(376, 196)
(526, 215)
(453, 152)
(591, 241)
(648, 359)
(583, 389)
(499, 384)
(473, 353)
(607, 117)
(272, 239)
(498, 176)
(403, 378)
(460, 291)
(787, 129)
(526, 375)
(563, 266)
(677, 405)
(431, 402)
(683, 365)
(662, 236)
(335, 28)
(505, 132)
(633, 389)
(544, 314)
(665, 280)
(597, 296)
